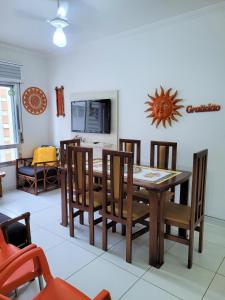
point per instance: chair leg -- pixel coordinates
(201, 233)
(114, 227)
(104, 234)
(91, 229)
(35, 188)
(123, 229)
(40, 281)
(129, 243)
(190, 248)
(16, 292)
(81, 218)
(168, 229)
(71, 222)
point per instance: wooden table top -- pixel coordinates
(177, 177)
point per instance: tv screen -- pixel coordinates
(91, 116)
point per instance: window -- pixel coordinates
(10, 119)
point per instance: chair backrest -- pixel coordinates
(134, 146)
(44, 154)
(36, 254)
(116, 166)
(63, 149)
(80, 175)
(163, 155)
(198, 185)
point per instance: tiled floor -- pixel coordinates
(91, 269)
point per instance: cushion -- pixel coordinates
(29, 171)
(16, 232)
(44, 154)
(98, 196)
(140, 210)
(177, 214)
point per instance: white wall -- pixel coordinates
(186, 53)
(35, 128)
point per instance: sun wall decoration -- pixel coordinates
(163, 107)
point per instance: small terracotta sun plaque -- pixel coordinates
(34, 100)
(163, 107)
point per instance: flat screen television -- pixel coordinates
(91, 116)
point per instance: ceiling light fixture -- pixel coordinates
(59, 37)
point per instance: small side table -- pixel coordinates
(2, 174)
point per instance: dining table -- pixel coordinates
(157, 182)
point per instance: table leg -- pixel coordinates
(0, 187)
(161, 226)
(184, 188)
(64, 207)
(156, 230)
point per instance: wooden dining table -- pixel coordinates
(157, 193)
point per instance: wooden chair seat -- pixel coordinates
(98, 198)
(96, 187)
(143, 195)
(140, 210)
(177, 215)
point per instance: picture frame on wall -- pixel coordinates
(60, 101)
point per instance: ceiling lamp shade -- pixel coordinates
(60, 22)
(59, 38)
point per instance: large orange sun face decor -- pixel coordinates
(163, 107)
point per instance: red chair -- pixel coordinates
(26, 273)
(56, 288)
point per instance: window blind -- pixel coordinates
(10, 72)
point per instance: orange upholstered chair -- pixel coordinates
(56, 288)
(23, 274)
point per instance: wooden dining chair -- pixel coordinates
(63, 149)
(190, 218)
(82, 195)
(163, 155)
(134, 146)
(118, 166)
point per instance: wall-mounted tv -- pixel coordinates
(91, 116)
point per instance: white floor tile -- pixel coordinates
(82, 237)
(28, 291)
(177, 279)
(45, 216)
(76, 260)
(145, 291)
(101, 274)
(45, 239)
(210, 258)
(20, 202)
(7, 212)
(215, 234)
(216, 290)
(221, 270)
(67, 258)
(117, 255)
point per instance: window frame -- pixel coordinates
(17, 121)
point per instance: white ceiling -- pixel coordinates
(23, 22)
